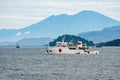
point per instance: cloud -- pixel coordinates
(21, 13)
(27, 32)
(18, 34)
(19, 17)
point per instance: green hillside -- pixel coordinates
(74, 39)
(115, 42)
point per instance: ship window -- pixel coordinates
(72, 48)
(50, 51)
(63, 46)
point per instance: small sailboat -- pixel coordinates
(17, 46)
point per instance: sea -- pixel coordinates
(32, 63)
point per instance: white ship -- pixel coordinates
(69, 48)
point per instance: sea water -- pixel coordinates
(34, 64)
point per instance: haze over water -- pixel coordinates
(34, 64)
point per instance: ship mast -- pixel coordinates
(63, 39)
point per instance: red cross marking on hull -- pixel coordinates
(60, 50)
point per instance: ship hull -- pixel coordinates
(65, 50)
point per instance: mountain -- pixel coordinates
(34, 41)
(56, 25)
(69, 38)
(28, 42)
(5, 43)
(106, 34)
(115, 42)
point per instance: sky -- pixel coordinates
(15, 14)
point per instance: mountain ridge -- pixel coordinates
(28, 42)
(56, 25)
(106, 34)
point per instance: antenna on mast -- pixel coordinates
(63, 39)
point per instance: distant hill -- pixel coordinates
(56, 25)
(28, 42)
(34, 41)
(106, 34)
(74, 39)
(115, 42)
